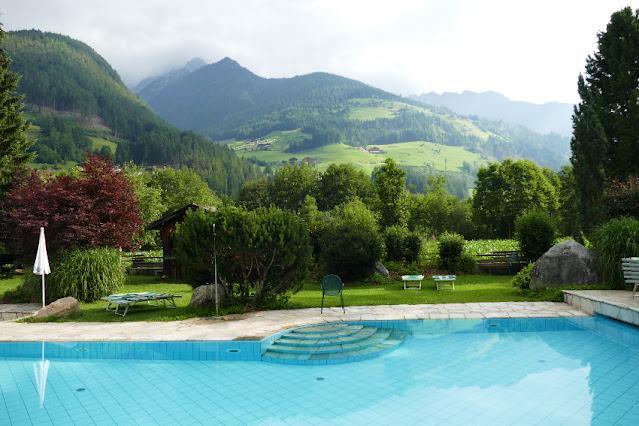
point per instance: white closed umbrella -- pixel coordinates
(41, 371)
(41, 265)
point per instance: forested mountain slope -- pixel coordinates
(63, 75)
(543, 118)
(225, 101)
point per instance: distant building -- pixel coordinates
(166, 225)
(157, 166)
(292, 160)
(375, 150)
(309, 161)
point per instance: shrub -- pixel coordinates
(522, 279)
(394, 237)
(621, 198)
(351, 252)
(535, 233)
(194, 246)
(413, 244)
(613, 241)
(467, 264)
(261, 254)
(316, 222)
(401, 244)
(85, 274)
(451, 247)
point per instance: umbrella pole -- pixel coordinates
(217, 303)
(43, 290)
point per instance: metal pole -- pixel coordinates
(43, 303)
(217, 303)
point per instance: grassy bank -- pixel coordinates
(468, 289)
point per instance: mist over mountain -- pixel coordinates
(543, 118)
(151, 85)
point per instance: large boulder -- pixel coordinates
(381, 269)
(204, 296)
(61, 308)
(565, 263)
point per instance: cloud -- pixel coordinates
(526, 50)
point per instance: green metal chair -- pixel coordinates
(332, 286)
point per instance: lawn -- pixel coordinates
(469, 288)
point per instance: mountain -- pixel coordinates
(149, 86)
(65, 82)
(220, 98)
(543, 118)
(228, 102)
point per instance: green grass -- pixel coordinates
(59, 167)
(10, 283)
(470, 288)
(99, 142)
(33, 132)
(96, 311)
(418, 153)
(371, 109)
(386, 291)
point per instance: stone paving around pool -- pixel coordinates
(257, 325)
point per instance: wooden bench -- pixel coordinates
(141, 265)
(8, 261)
(504, 262)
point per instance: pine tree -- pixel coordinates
(589, 145)
(612, 79)
(13, 137)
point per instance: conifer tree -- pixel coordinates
(588, 146)
(13, 137)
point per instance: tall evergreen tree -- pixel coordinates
(13, 137)
(612, 80)
(589, 145)
(390, 183)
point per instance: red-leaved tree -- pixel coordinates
(621, 198)
(95, 207)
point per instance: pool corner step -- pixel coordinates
(333, 343)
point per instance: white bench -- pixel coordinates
(630, 266)
(410, 281)
(445, 281)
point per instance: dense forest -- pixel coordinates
(60, 74)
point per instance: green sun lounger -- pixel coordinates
(129, 299)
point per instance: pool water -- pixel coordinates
(495, 372)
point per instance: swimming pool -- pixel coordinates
(503, 371)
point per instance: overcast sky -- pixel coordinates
(530, 51)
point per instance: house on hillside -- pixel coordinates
(309, 161)
(157, 166)
(375, 150)
(166, 225)
(292, 161)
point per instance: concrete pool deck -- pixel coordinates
(616, 304)
(257, 325)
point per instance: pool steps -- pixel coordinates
(332, 343)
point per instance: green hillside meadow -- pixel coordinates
(417, 153)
